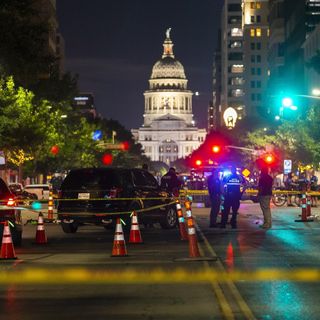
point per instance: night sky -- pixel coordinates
(113, 45)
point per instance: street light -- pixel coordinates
(316, 92)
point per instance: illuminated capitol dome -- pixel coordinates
(168, 132)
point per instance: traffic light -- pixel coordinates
(198, 162)
(288, 103)
(216, 149)
(269, 159)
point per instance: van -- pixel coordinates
(42, 191)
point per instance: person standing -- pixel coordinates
(170, 182)
(214, 188)
(233, 185)
(314, 188)
(264, 195)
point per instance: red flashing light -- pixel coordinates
(198, 162)
(216, 149)
(125, 146)
(107, 159)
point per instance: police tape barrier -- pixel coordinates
(251, 191)
(158, 276)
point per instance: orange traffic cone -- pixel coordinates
(193, 242)
(135, 234)
(119, 246)
(308, 205)
(182, 225)
(304, 217)
(50, 206)
(41, 237)
(7, 249)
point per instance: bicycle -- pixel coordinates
(280, 199)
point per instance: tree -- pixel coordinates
(23, 38)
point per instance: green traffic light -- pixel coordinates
(287, 102)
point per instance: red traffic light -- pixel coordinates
(198, 162)
(55, 149)
(269, 158)
(216, 149)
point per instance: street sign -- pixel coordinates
(246, 172)
(2, 158)
(287, 166)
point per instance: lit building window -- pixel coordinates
(237, 68)
(236, 32)
(258, 32)
(237, 81)
(252, 32)
(258, 5)
(237, 93)
(236, 44)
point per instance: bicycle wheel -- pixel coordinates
(279, 199)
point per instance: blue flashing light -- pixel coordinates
(97, 135)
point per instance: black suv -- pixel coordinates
(13, 216)
(86, 196)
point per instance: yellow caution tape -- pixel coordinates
(132, 276)
(107, 214)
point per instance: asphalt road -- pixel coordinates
(160, 292)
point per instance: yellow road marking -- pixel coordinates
(242, 304)
(224, 305)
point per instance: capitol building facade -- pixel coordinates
(168, 131)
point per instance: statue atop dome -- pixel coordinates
(168, 33)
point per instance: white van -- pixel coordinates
(41, 190)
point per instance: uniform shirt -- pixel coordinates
(170, 182)
(233, 184)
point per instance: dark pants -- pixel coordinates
(234, 203)
(215, 209)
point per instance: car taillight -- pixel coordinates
(114, 193)
(11, 202)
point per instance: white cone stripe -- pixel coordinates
(181, 220)
(189, 213)
(119, 237)
(50, 208)
(7, 240)
(134, 227)
(6, 231)
(191, 231)
(134, 219)
(119, 228)
(178, 206)
(40, 227)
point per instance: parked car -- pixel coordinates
(42, 191)
(13, 216)
(22, 196)
(76, 204)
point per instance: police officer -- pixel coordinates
(170, 182)
(233, 187)
(314, 188)
(214, 188)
